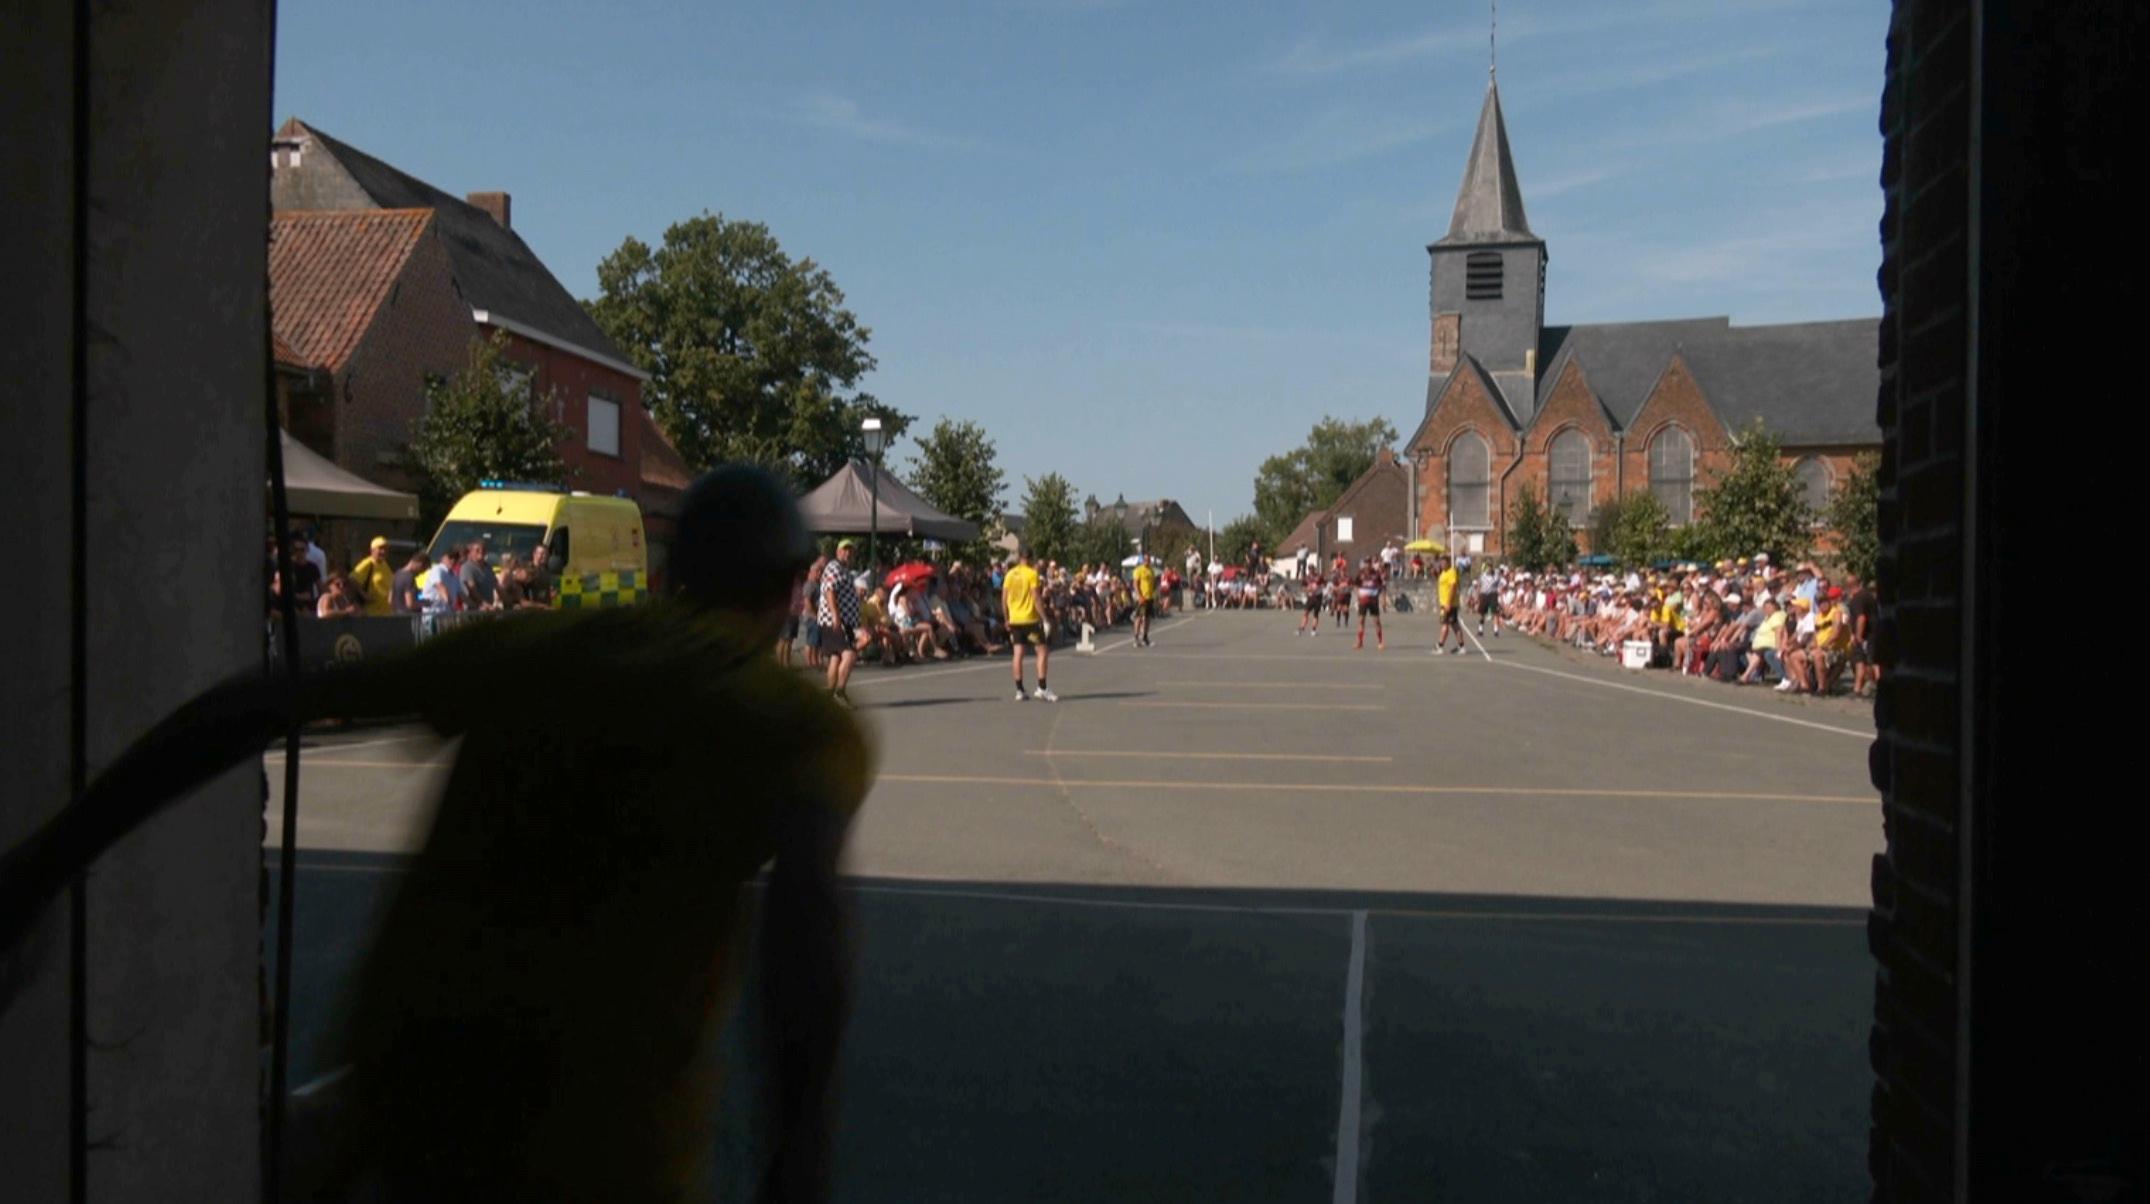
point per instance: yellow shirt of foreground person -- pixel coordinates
(1145, 582)
(1019, 595)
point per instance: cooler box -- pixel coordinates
(1635, 654)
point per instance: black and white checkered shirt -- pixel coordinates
(836, 587)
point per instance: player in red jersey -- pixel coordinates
(1369, 587)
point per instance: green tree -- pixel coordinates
(1536, 533)
(1049, 517)
(1854, 513)
(751, 354)
(1641, 530)
(482, 423)
(1236, 537)
(1756, 506)
(1104, 539)
(956, 469)
(1317, 472)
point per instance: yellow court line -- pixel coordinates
(1290, 685)
(1373, 788)
(1195, 756)
(1259, 706)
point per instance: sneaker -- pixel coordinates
(1020, 696)
(1459, 650)
(1481, 631)
(1045, 695)
(1784, 686)
(1496, 633)
(843, 700)
(1381, 646)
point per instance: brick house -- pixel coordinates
(1369, 513)
(501, 286)
(1584, 414)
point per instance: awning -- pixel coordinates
(316, 486)
(849, 503)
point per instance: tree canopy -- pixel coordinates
(1049, 517)
(752, 356)
(1538, 534)
(1756, 506)
(956, 468)
(1315, 473)
(1854, 513)
(482, 423)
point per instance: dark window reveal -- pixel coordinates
(1482, 276)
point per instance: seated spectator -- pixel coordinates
(1763, 660)
(338, 601)
(876, 634)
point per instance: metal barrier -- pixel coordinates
(331, 643)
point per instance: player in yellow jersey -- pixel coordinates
(1145, 601)
(1021, 596)
(1449, 587)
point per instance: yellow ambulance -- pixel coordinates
(594, 545)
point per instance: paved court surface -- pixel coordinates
(1254, 916)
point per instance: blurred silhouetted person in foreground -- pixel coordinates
(537, 1016)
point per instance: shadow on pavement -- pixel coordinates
(1075, 1042)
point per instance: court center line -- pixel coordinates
(1699, 702)
(1174, 755)
(1481, 645)
(1347, 1113)
(1427, 913)
(1257, 706)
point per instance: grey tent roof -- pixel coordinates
(1489, 205)
(844, 505)
(316, 486)
(495, 268)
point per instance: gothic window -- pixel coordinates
(1470, 480)
(1482, 276)
(1568, 484)
(1812, 473)
(1672, 473)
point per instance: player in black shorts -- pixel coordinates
(1312, 594)
(1369, 587)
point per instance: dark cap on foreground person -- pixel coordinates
(740, 541)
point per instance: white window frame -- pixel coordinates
(1579, 511)
(1685, 514)
(1484, 485)
(1828, 484)
(593, 441)
(1343, 528)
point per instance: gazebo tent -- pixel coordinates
(844, 505)
(317, 487)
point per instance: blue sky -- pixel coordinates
(1145, 244)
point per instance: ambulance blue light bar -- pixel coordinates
(530, 486)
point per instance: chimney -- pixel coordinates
(1384, 457)
(494, 203)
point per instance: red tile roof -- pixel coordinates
(329, 271)
(286, 355)
(662, 465)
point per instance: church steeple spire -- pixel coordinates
(1489, 206)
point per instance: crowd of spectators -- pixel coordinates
(1745, 622)
(466, 579)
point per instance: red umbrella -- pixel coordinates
(908, 575)
(1230, 571)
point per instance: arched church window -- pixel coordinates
(1812, 474)
(1568, 479)
(1470, 482)
(1672, 473)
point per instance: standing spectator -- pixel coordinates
(481, 589)
(809, 608)
(444, 591)
(1390, 556)
(315, 553)
(837, 610)
(1865, 612)
(337, 601)
(374, 579)
(403, 590)
(305, 583)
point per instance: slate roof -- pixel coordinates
(329, 271)
(496, 269)
(1810, 383)
(1489, 205)
(1438, 385)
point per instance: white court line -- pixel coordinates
(1198, 756)
(325, 1080)
(1481, 646)
(1699, 702)
(1347, 1112)
(1276, 685)
(1428, 913)
(1257, 706)
(337, 747)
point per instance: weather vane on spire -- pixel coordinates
(1493, 27)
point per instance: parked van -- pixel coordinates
(594, 545)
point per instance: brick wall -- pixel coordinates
(1463, 405)
(1379, 507)
(2008, 1042)
(1675, 400)
(423, 328)
(571, 380)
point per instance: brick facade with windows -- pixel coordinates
(1578, 409)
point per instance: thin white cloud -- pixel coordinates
(1556, 185)
(1333, 138)
(843, 116)
(1620, 79)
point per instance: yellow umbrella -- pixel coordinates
(1423, 545)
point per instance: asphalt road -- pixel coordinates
(1255, 916)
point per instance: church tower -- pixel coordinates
(1489, 271)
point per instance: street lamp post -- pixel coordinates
(876, 439)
